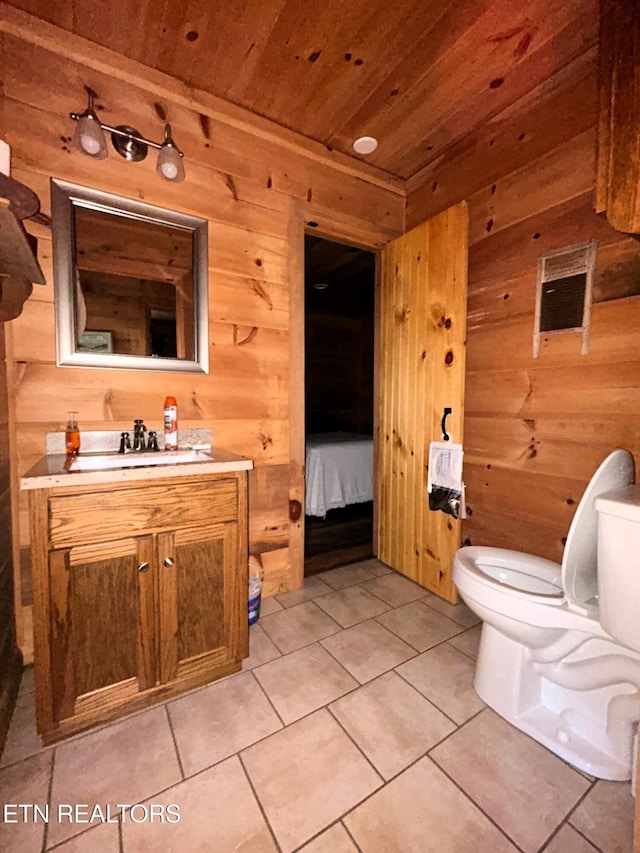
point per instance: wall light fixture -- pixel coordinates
(128, 142)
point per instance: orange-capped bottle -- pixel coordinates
(170, 424)
(72, 436)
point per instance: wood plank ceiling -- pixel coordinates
(419, 75)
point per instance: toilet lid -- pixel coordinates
(579, 562)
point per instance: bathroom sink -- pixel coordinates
(115, 461)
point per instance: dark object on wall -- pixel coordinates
(443, 425)
(446, 500)
(562, 304)
(563, 295)
(24, 203)
(17, 256)
(19, 267)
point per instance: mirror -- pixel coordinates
(130, 282)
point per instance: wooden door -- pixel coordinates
(421, 365)
(202, 598)
(102, 626)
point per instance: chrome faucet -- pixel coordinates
(139, 442)
(139, 430)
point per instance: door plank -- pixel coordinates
(422, 334)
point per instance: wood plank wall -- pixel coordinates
(257, 191)
(536, 429)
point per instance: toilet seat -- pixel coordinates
(518, 574)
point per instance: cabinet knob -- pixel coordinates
(143, 567)
(168, 561)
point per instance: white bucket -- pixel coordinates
(255, 595)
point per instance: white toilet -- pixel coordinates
(558, 660)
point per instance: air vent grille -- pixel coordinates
(563, 300)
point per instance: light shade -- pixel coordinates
(169, 165)
(89, 137)
(128, 142)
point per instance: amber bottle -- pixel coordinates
(72, 436)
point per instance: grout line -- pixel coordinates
(346, 829)
(353, 586)
(268, 698)
(82, 832)
(564, 820)
(556, 832)
(42, 750)
(337, 822)
(78, 736)
(255, 794)
(358, 747)
(422, 755)
(462, 651)
(551, 837)
(45, 834)
(462, 725)
(304, 600)
(430, 701)
(175, 742)
(357, 686)
(428, 649)
(290, 610)
(572, 811)
(582, 835)
(479, 807)
(442, 613)
(344, 666)
(411, 764)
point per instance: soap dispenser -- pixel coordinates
(72, 436)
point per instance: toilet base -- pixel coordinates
(570, 723)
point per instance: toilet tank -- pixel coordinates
(619, 564)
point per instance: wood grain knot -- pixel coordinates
(295, 510)
(448, 359)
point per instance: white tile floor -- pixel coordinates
(353, 726)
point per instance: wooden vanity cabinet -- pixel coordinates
(140, 593)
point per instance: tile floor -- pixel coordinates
(353, 726)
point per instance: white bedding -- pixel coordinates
(339, 471)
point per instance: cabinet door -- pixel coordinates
(101, 625)
(201, 609)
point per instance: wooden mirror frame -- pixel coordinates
(65, 198)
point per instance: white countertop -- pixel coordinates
(50, 471)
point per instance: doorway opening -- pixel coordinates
(339, 403)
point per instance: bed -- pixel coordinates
(339, 471)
